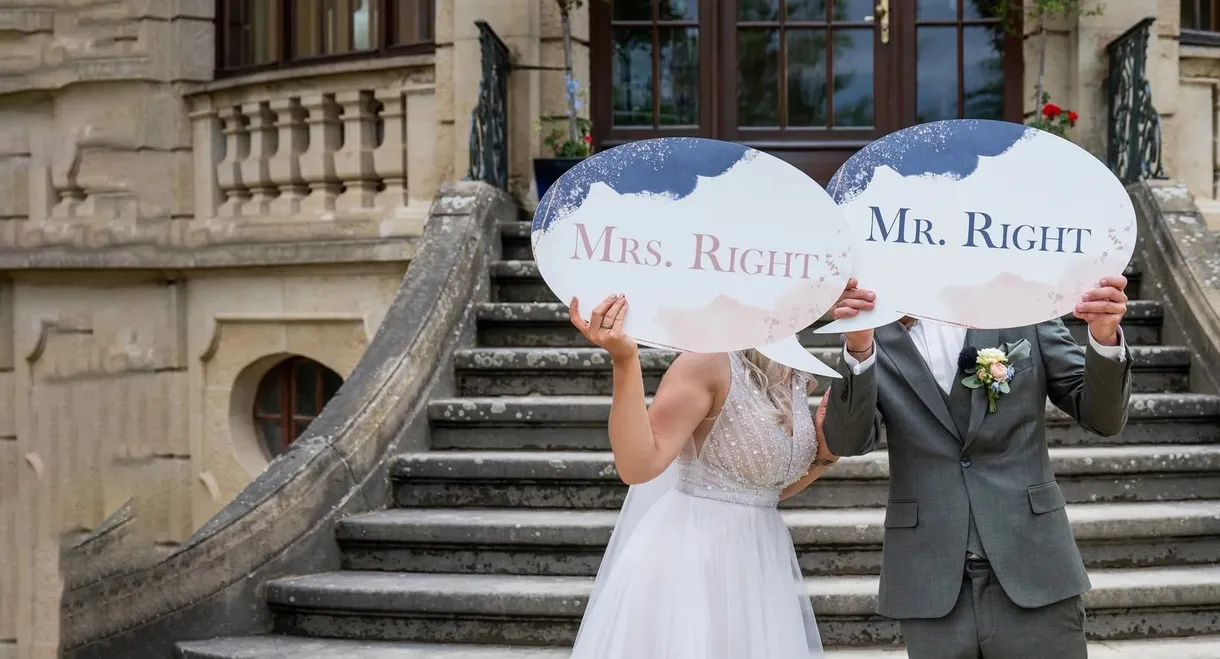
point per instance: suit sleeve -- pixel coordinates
(853, 422)
(1092, 385)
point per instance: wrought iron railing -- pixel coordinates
(489, 121)
(1134, 148)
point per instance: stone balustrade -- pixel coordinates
(321, 145)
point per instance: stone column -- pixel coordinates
(354, 160)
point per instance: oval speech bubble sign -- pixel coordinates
(985, 224)
(718, 247)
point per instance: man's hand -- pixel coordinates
(1103, 309)
(850, 304)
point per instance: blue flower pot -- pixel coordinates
(548, 170)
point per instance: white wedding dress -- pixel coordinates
(701, 565)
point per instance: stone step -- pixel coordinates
(828, 542)
(546, 325)
(588, 480)
(296, 647)
(546, 610)
(579, 422)
(519, 281)
(586, 371)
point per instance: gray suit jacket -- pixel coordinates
(1000, 469)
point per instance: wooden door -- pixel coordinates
(810, 81)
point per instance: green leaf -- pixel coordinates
(972, 381)
(1004, 388)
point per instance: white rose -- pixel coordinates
(989, 356)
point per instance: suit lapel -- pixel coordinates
(911, 367)
(978, 398)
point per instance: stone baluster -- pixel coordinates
(390, 158)
(228, 172)
(256, 166)
(354, 160)
(286, 165)
(318, 161)
(207, 153)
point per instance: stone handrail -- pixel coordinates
(1183, 257)
(282, 523)
(335, 142)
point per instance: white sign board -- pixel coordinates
(984, 224)
(718, 247)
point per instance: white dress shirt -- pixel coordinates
(940, 344)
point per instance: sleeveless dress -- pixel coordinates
(701, 564)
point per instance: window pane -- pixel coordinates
(412, 21)
(679, 76)
(983, 9)
(983, 79)
(272, 434)
(632, 10)
(299, 427)
(1190, 18)
(250, 33)
(679, 10)
(632, 74)
(758, 77)
(806, 10)
(269, 393)
(806, 78)
(307, 28)
(758, 10)
(853, 83)
(330, 384)
(305, 394)
(852, 10)
(936, 10)
(936, 73)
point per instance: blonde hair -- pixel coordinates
(775, 381)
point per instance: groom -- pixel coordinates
(979, 558)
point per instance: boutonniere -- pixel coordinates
(991, 369)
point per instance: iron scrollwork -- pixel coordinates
(1134, 148)
(489, 120)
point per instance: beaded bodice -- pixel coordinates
(747, 457)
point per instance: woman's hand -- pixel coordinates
(824, 456)
(605, 327)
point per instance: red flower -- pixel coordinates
(1050, 110)
(588, 139)
(1072, 117)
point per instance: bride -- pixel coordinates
(701, 565)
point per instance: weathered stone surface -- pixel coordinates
(287, 647)
(551, 606)
(279, 523)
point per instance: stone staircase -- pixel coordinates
(497, 532)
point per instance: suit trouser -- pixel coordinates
(986, 624)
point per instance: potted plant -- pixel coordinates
(1049, 116)
(566, 153)
(574, 142)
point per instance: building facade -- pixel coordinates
(206, 206)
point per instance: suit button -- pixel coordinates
(843, 394)
(966, 463)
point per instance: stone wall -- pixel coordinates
(1077, 67)
(165, 239)
(531, 29)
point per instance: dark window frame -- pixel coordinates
(283, 30)
(283, 376)
(1195, 32)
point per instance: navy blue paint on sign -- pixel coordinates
(944, 148)
(668, 166)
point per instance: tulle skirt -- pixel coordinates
(700, 579)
